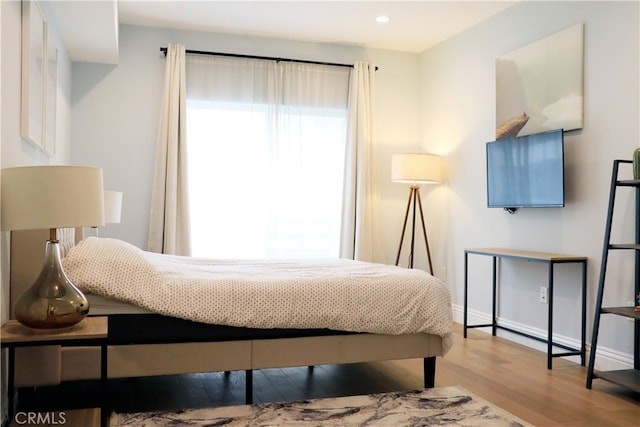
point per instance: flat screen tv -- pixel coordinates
(526, 171)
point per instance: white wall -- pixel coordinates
(458, 117)
(115, 112)
(14, 150)
(397, 131)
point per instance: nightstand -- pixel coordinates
(90, 332)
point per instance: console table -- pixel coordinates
(551, 260)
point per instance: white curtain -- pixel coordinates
(266, 150)
(169, 218)
(361, 226)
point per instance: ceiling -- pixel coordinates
(90, 28)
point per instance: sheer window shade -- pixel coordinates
(266, 144)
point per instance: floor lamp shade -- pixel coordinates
(416, 168)
(52, 197)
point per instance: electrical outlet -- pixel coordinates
(542, 297)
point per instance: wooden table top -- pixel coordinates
(88, 328)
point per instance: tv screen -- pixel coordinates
(526, 171)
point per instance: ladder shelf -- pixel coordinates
(629, 378)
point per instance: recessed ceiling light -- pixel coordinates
(382, 19)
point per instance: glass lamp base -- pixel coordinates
(52, 302)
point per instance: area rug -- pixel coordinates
(447, 406)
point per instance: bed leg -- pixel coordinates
(310, 369)
(429, 372)
(248, 387)
(227, 373)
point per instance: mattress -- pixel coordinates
(130, 323)
(102, 306)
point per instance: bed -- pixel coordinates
(149, 336)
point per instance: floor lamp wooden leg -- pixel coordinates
(414, 197)
(424, 232)
(404, 226)
(416, 193)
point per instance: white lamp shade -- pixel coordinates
(416, 168)
(112, 206)
(36, 197)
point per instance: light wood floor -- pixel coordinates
(515, 378)
(507, 374)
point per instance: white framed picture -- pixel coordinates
(50, 93)
(33, 64)
(539, 87)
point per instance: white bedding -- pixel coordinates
(335, 294)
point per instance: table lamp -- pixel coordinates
(112, 209)
(415, 169)
(40, 197)
(112, 206)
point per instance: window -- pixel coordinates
(266, 161)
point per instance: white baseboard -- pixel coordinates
(606, 358)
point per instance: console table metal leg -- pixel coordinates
(583, 348)
(466, 295)
(494, 310)
(550, 319)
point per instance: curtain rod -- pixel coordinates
(268, 58)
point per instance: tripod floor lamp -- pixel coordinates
(415, 169)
